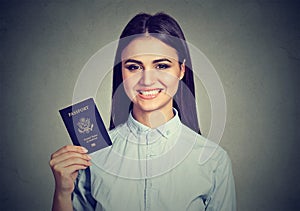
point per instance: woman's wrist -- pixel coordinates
(62, 194)
(62, 201)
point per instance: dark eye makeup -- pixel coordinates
(162, 66)
(159, 64)
(133, 67)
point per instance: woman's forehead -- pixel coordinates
(147, 45)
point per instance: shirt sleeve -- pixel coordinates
(82, 198)
(222, 195)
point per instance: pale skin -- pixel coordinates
(151, 74)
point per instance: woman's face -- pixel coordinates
(151, 73)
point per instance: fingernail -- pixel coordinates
(84, 149)
(89, 157)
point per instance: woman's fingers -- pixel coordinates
(65, 173)
(68, 159)
(70, 162)
(67, 156)
(69, 148)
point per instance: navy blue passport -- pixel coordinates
(85, 125)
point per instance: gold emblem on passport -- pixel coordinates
(85, 125)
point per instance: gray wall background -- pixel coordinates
(254, 46)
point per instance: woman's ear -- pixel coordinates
(182, 70)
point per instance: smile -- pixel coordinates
(149, 94)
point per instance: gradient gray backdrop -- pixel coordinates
(254, 46)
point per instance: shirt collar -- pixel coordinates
(165, 130)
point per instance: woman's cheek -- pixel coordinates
(171, 83)
(129, 84)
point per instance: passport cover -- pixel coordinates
(85, 126)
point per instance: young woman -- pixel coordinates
(153, 163)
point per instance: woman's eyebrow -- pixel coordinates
(133, 61)
(161, 60)
(154, 61)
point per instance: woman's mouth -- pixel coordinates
(149, 94)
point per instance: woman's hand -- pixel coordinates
(65, 164)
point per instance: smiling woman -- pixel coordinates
(151, 79)
(142, 29)
(153, 163)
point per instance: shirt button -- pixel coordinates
(168, 132)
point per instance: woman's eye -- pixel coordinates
(162, 66)
(133, 67)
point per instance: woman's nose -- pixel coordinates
(148, 77)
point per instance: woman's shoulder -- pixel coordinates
(204, 150)
(113, 133)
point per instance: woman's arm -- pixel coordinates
(222, 196)
(65, 164)
(62, 202)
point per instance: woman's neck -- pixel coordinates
(152, 119)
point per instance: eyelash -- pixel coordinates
(163, 66)
(134, 67)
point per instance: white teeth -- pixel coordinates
(149, 93)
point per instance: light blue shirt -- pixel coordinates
(167, 168)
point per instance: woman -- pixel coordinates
(153, 163)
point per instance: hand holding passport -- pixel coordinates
(85, 126)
